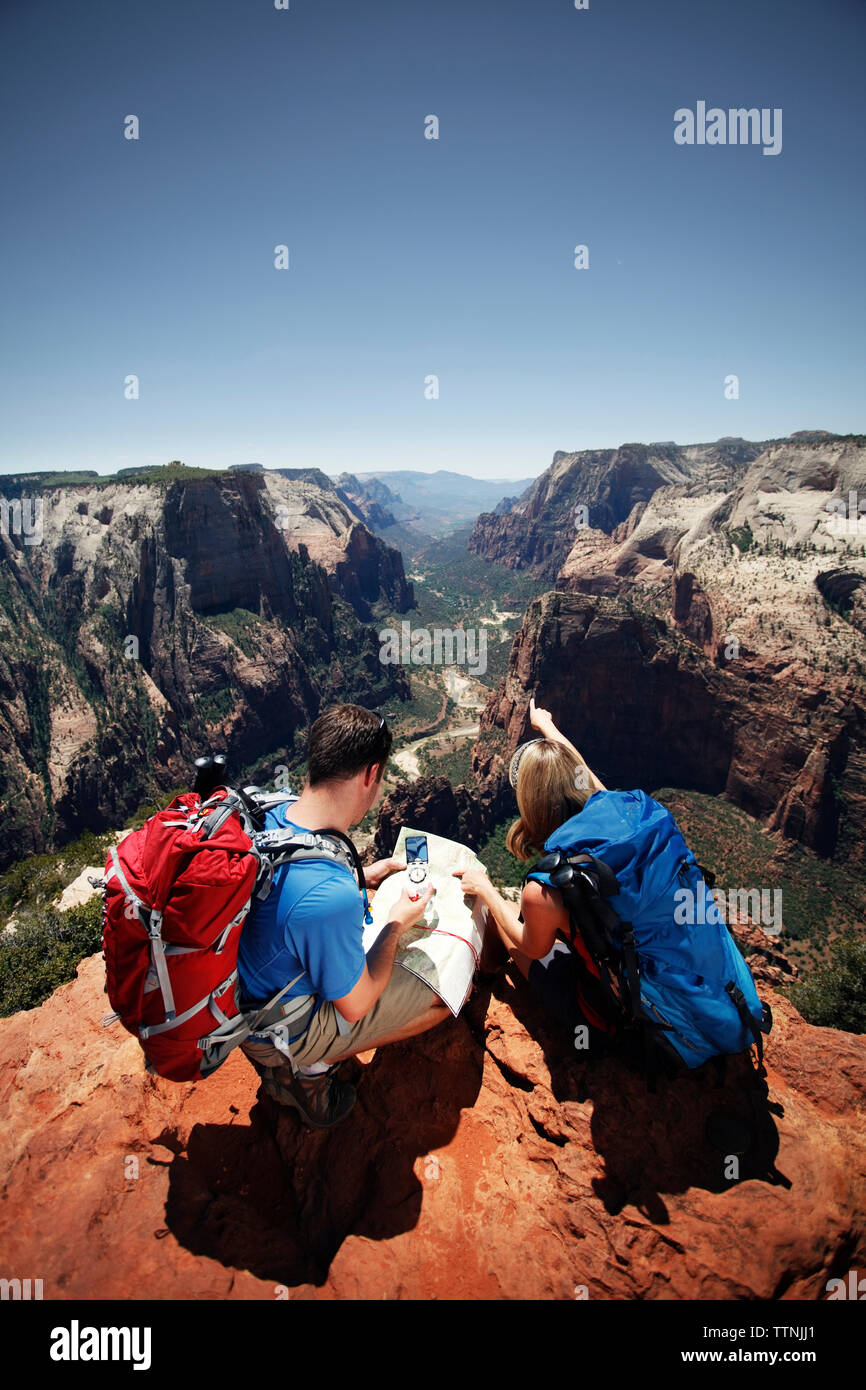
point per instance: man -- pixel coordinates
(311, 927)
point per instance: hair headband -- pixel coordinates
(515, 761)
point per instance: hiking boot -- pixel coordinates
(321, 1101)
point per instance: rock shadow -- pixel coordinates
(279, 1199)
(695, 1130)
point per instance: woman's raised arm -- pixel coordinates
(542, 721)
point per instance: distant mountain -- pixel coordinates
(428, 504)
(370, 501)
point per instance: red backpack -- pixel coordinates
(175, 896)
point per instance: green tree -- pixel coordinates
(835, 994)
(44, 952)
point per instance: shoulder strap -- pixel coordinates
(750, 1024)
(359, 870)
(224, 807)
(277, 847)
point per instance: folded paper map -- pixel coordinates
(444, 953)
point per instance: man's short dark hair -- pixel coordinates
(347, 739)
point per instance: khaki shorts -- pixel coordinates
(404, 999)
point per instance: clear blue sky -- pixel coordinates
(411, 256)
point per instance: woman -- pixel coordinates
(682, 976)
(553, 783)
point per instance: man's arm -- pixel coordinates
(380, 957)
(375, 874)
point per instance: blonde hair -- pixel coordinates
(553, 784)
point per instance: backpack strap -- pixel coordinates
(277, 847)
(750, 1023)
(224, 807)
(208, 1001)
(358, 867)
(151, 920)
(584, 883)
(631, 970)
(707, 875)
(235, 1030)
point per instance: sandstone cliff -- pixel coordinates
(607, 484)
(482, 1160)
(155, 617)
(369, 501)
(712, 639)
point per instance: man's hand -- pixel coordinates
(475, 882)
(382, 869)
(408, 913)
(380, 958)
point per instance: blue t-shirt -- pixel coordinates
(312, 921)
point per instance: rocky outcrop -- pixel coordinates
(710, 644)
(367, 570)
(692, 611)
(513, 540)
(768, 964)
(485, 1159)
(601, 489)
(364, 499)
(845, 590)
(156, 617)
(809, 811)
(431, 804)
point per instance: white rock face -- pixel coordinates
(80, 890)
(796, 513)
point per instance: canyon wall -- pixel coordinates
(709, 635)
(537, 531)
(155, 617)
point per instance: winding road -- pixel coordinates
(407, 758)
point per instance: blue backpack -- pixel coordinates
(643, 916)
